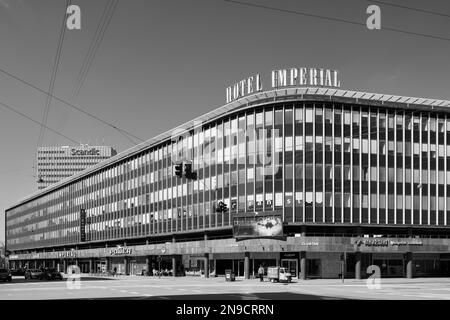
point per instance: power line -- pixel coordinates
(410, 8)
(37, 122)
(53, 76)
(86, 57)
(334, 19)
(71, 105)
(95, 44)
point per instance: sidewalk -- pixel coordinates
(221, 279)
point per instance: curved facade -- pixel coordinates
(325, 163)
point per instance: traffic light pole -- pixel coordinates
(343, 266)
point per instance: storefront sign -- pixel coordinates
(385, 243)
(67, 254)
(289, 255)
(120, 251)
(406, 243)
(309, 243)
(372, 243)
(291, 77)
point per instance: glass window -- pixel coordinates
(328, 116)
(347, 119)
(319, 114)
(298, 115)
(309, 115)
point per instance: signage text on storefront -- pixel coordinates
(120, 251)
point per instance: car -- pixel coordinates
(51, 274)
(33, 274)
(5, 275)
(17, 272)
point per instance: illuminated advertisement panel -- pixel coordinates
(258, 227)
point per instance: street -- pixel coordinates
(196, 288)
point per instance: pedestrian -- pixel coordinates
(261, 273)
(115, 271)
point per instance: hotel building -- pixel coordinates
(57, 163)
(351, 175)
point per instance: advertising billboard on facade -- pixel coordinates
(82, 225)
(258, 227)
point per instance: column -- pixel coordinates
(174, 260)
(303, 265)
(125, 262)
(91, 264)
(148, 264)
(174, 266)
(409, 265)
(65, 265)
(206, 263)
(108, 264)
(358, 265)
(247, 265)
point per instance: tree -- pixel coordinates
(2, 255)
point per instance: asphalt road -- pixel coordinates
(195, 288)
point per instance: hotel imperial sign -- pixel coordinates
(281, 78)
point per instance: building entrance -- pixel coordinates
(101, 267)
(291, 265)
(238, 268)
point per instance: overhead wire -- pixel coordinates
(104, 22)
(9, 107)
(410, 8)
(322, 17)
(53, 77)
(71, 105)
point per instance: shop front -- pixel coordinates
(138, 266)
(391, 265)
(290, 261)
(118, 265)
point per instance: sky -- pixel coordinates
(164, 62)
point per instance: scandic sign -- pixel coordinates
(285, 78)
(81, 152)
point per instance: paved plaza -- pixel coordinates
(136, 287)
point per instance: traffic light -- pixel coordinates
(179, 170)
(188, 171)
(222, 207)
